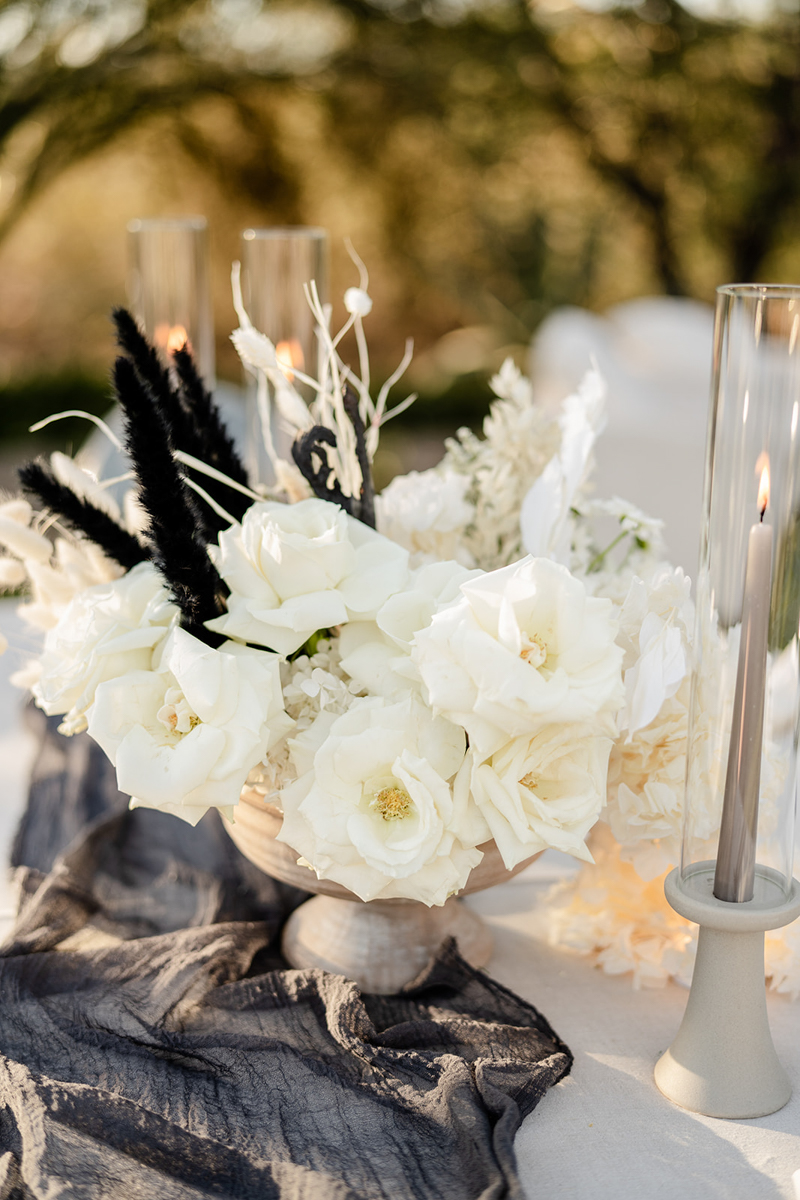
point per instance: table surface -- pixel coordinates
(606, 1131)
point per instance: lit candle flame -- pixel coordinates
(171, 337)
(177, 339)
(763, 487)
(290, 355)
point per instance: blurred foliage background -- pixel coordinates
(490, 159)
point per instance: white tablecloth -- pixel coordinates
(605, 1132)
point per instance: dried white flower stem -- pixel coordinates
(77, 412)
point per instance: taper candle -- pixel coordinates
(736, 856)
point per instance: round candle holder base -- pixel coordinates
(722, 1062)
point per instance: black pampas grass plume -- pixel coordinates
(81, 515)
(186, 423)
(175, 529)
(149, 369)
(217, 444)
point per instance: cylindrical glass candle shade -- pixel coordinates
(168, 287)
(277, 263)
(745, 701)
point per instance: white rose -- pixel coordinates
(184, 737)
(523, 647)
(377, 813)
(544, 792)
(105, 631)
(294, 569)
(427, 512)
(377, 654)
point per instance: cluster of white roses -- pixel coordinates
(446, 707)
(404, 695)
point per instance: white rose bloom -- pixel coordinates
(524, 647)
(377, 654)
(377, 813)
(105, 631)
(545, 791)
(184, 737)
(370, 659)
(412, 609)
(296, 568)
(427, 512)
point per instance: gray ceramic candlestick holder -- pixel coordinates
(722, 1062)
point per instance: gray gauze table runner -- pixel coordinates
(154, 1044)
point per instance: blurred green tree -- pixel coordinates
(516, 152)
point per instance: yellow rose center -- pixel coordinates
(530, 781)
(534, 650)
(392, 803)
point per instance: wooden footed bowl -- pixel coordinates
(381, 944)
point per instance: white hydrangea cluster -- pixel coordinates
(312, 684)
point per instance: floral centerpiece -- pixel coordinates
(482, 652)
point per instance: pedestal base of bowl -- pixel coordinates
(381, 945)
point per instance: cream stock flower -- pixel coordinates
(545, 791)
(105, 631)
(377, 813)
(184, 737)
(295, 569)
(522, 648)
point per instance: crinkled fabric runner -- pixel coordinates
(153, 1044)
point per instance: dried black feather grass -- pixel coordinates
(81, 515)
(149, 369)
(192, 420)
(217, 448)
(175, 530)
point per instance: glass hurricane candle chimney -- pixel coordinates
(735, 878)
(277, 263)
(168, 288)
(746, 691)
